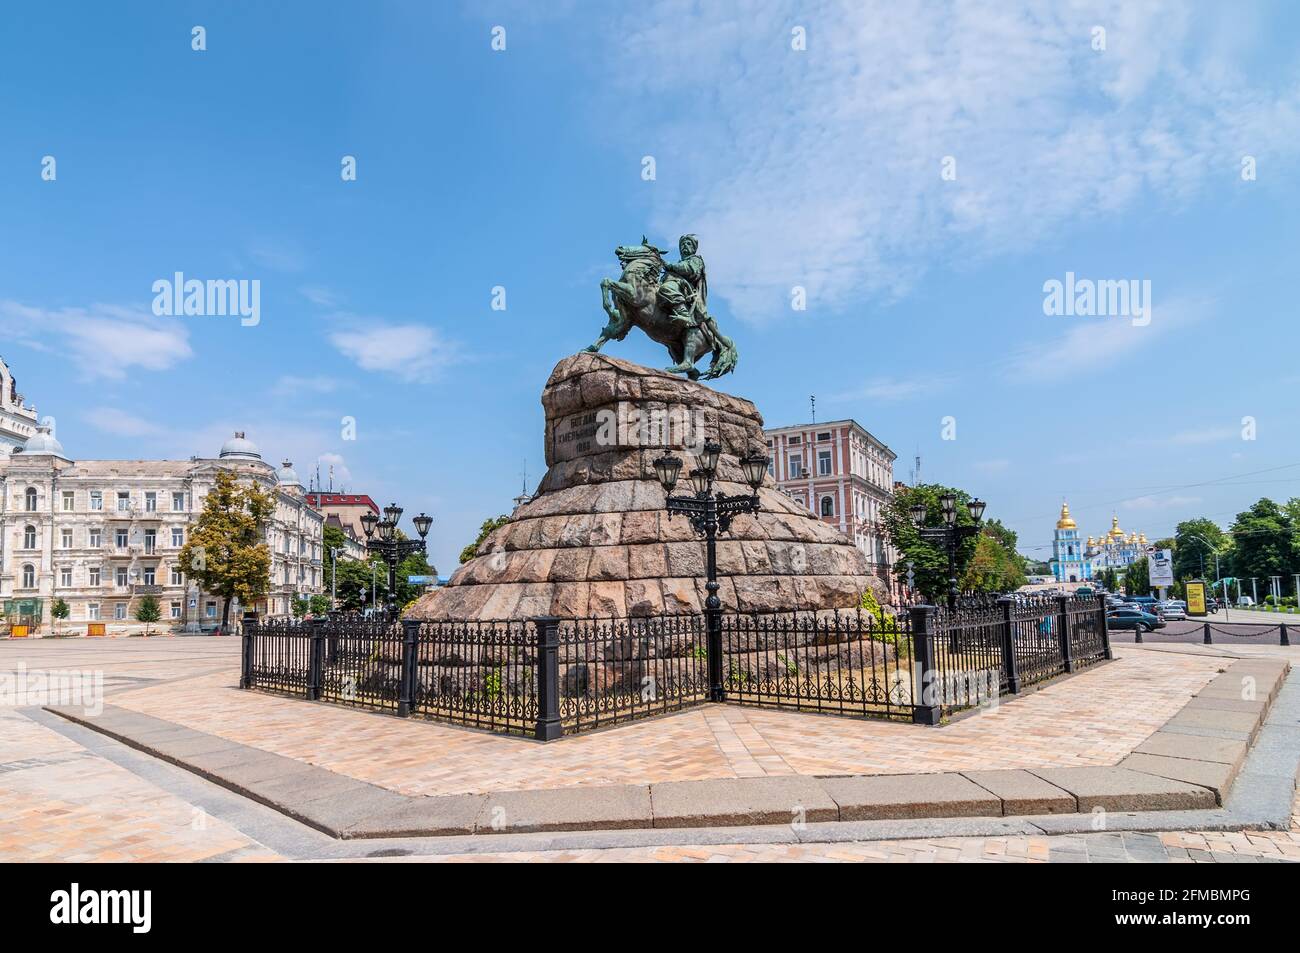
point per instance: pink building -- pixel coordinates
(844, 475)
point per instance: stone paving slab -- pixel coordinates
(1119, 789)
(742, 801)
(1176, 745)
(445, 816)
(1242, 721)
(885, 797)
(1216, 776)
(1187, 765)
(1024, 793)
(600, 807)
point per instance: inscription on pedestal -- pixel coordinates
(628, 425)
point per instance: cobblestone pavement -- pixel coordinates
(1095, 718)
(59, 800)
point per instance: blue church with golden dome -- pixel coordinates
(1076, 560)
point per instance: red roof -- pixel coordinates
(341, 499)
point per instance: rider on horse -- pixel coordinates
(685, 288)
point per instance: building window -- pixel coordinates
(65, 538)
(30, 498)
(150, 542)
(92, 576)
(96, 538)
(119, 577)
(120, 538)
(176, 610)
(824, 435)
(96, 500)
(69, 501)
(796, 467)
(151, 502)
(824, 462)
(150, 576)
(828, 506)
(29, 537)
(178, 577)
(92, 611)
(29, 576)
(210, 610)
(123, 502)
(178, 502)
(178, 536)
(795, 438)
(65, 576)
(119, 611)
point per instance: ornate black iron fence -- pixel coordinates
(844, 663)
(546, 677)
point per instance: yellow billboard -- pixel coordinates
(1196, 598)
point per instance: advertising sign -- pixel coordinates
(1161, 564)
(1196, 598)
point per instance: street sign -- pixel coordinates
(420, 580)
(1161, 566)
(1196, 598)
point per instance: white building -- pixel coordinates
(17, 421)
(100, 534)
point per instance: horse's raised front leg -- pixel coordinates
(617, 327)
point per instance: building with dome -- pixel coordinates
(101, 534)
(18, 421)
(1076, 560)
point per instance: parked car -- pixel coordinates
(1245, 601)
(1173, 611)
(1134, 619)
(1146, 603)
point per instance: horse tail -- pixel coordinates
(724, 353)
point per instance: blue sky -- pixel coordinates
(818, 168)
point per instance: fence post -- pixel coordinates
(1284, 639)
(246, 651)
(713, 635)
(315, 657)
(1009, 664)
(1067, 651)
(410, 654)
(924, 693)
(1207, 640)
(549, 726)
(1105, 627)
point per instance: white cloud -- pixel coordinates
(103, 341)
(340, 473)
(122, 423)
(413, 352)
(822, 168)
(1159, 502)
(890, 389)
(321, 296)
(1093, 342)
(291, 385)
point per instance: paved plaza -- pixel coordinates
(69, 793)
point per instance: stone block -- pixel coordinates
(739, 802)
(1024, 793)
(886, 797)
(1121, 789)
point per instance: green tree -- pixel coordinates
(488, 526)
(226, 552)
(320, 605)
(1193, 558)
(148, 612)
(59, 611)
(993, 568)
(929, 561)
(1137, 578)
(299, 607)
(1262, 537)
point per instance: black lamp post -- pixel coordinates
(949, 535)
(711, 513)
(391, 547)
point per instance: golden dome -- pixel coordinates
(1132, 537)
(1065, 522)
(1115, 531)
(1142, 538)
(1091, 542)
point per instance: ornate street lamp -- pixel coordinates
(392, 548)
(949, 534)
(711, 513)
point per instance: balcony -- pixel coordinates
(146, 589)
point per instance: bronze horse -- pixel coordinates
(633, 301)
